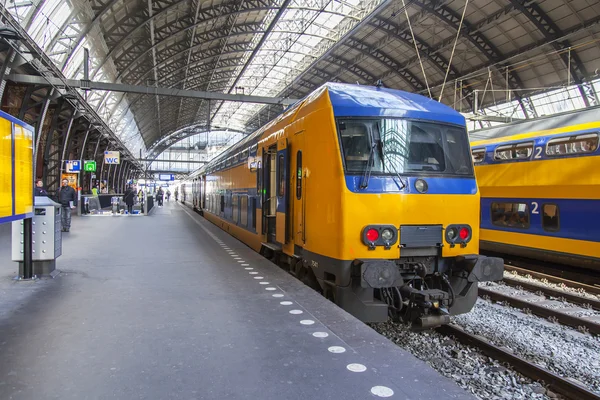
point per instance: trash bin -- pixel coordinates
(114, 201)
(47, 237)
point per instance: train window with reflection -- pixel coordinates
(510, 215)
(478, 156)
(550, 221)
(398, 146)
(576, 144)
(518, 151)
(281, 176)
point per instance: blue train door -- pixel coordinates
(282, 173)
(269, 194)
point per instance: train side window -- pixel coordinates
(510, 215)
(234, 207)
(281, 176)
(244, 210)
(576, 144)
(299, 175)
(222, 203)
(519, 151)
(550, 217)
(253, 212)
(478, 156)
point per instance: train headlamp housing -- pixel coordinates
(379, 235)
(421, 186)
(458, 234)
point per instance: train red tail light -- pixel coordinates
(458, 234)
(372, 235)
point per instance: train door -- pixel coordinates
(282, 201)
(298, 194)
(269, 199)
(203, 193)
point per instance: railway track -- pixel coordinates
(564, 386)
(592, 289)
(538, 305)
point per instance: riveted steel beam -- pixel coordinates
(551, 33)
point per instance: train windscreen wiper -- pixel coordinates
(367, 176)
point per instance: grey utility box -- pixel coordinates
(47, 237)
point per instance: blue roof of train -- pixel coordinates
(369, 101)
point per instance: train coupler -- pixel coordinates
(426, 308)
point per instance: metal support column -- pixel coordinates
(27, 270)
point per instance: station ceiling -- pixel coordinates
(486, 52)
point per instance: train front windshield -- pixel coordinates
(401, 146)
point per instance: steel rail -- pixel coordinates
(563, 318)
(554, 279)
(573, 298)
(557, 383)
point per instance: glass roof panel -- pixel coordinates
(303, 33)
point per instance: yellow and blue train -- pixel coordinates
(540, 188)
(365, 193)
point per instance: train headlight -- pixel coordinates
(421, 186)
(387, 234)
(451, 234)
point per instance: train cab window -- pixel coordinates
(281, 176)
(510, 215)
(478, 156)
(550, 221)
(355, 144)
(576, 144)
(518, 151)
(299, 175)
(398, 146)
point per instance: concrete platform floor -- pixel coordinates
(164, 307)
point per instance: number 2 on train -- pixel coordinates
(534, 206)
(538, 152)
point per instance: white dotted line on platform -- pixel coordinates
(379, 391)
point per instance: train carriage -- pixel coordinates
(540, 188)
(368, 194)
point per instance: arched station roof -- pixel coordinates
(487, 52)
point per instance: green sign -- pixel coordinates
(89, 166)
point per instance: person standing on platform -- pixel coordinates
(39, 188)
(129, 198)
(176, 194)
(67, 197)
(159, 197)
(168, 194)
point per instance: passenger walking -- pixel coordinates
(168, 194)
(176, 194)
(67, 197)
(39, 188)
(159, 197)
(129, 198)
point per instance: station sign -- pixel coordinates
(73, 166)
(112, 157)
(89, 166)
(166, 177)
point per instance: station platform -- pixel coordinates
(170, 307)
